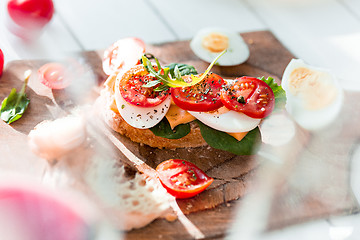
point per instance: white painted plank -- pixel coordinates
(345, 227)
(353, 6)
(355, 170)
(323, 33)
(318, 230)
(97, 24)
(186, 17)
(53, 43)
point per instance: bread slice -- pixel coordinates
(154, 149)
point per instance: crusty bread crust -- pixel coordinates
(144, 136)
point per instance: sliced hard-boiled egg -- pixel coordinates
(227, 120)
(209, 42)
(314, 96)
(140, 117)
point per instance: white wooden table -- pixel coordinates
(323, 33)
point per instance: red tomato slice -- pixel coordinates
(31, 13)
(182, 179)
(53, 75)
(132, 90)
(202, 97)
(123, 55)
(250, 96)
(1, 62)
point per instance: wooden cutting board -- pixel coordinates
(212, 212)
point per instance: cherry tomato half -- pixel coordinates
(133, 91)
(1, 62)
(123, 55)
(182, 179)
(53, 75)
(202, 97)
(250, 96)
(31, 13)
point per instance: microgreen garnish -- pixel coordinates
(163, 75)
(14, 106)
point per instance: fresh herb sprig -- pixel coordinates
(14, 106)
(163, 76)
(185, 69)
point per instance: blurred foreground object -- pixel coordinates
(1, 62)
(54, 75)
(34, 212)
(122, 55)
(53, 139)
(28, 17)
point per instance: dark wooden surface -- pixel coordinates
(213, 210)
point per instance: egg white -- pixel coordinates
(140, 117)
(237, 53)
(312, 119)
(230, 121)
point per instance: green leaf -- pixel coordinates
(175, 80)
(184, 69)
(163, 129)
(14, 106)
(164, 78)
(221, 140)
(279, 92)
(196, 80)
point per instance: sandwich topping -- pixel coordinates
(167, 99)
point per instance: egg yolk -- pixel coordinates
(215, 42)
(312, 87)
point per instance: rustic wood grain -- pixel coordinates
(234, 175)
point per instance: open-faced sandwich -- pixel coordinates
(174, 106)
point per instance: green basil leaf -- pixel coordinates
(163, 129)
(279, 92)
(221, 140)
(13, 107)
(184, 69)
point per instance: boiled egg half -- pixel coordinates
(226, 120)
(314, 96)
(209, 42)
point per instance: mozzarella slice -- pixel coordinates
(230, 121)
(140, 117)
